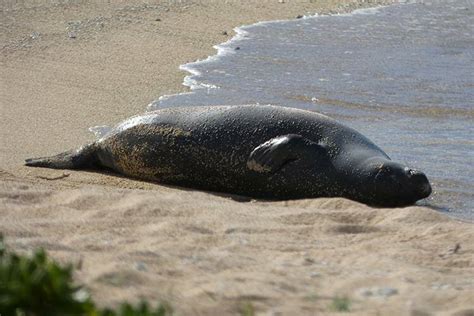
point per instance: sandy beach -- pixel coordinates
(69, 65)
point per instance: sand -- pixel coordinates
(66, 66)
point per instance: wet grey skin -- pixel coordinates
(267, 152)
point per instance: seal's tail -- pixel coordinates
(73, 159)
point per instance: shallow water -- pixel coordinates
(402, 75)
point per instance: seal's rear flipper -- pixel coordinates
(272, 155)
(73, 159)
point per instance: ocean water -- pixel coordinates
(402, 75)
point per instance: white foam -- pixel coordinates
(100, 131)
(156, 104)
(223, 49)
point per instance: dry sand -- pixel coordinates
(66, 66)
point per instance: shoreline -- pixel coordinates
(67, 68)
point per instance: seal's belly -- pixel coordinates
(172, 155)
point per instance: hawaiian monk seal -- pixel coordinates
(259, 151)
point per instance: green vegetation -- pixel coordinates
(340, 304)
(38, 286)
(247, 309)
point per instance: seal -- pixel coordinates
(268, 152)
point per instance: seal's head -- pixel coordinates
(398, 185)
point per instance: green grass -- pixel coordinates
(35, 285)
(247, 309)
(340, 304)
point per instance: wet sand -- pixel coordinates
(67, 67)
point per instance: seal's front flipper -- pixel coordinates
(73, 159)
(272, 155)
